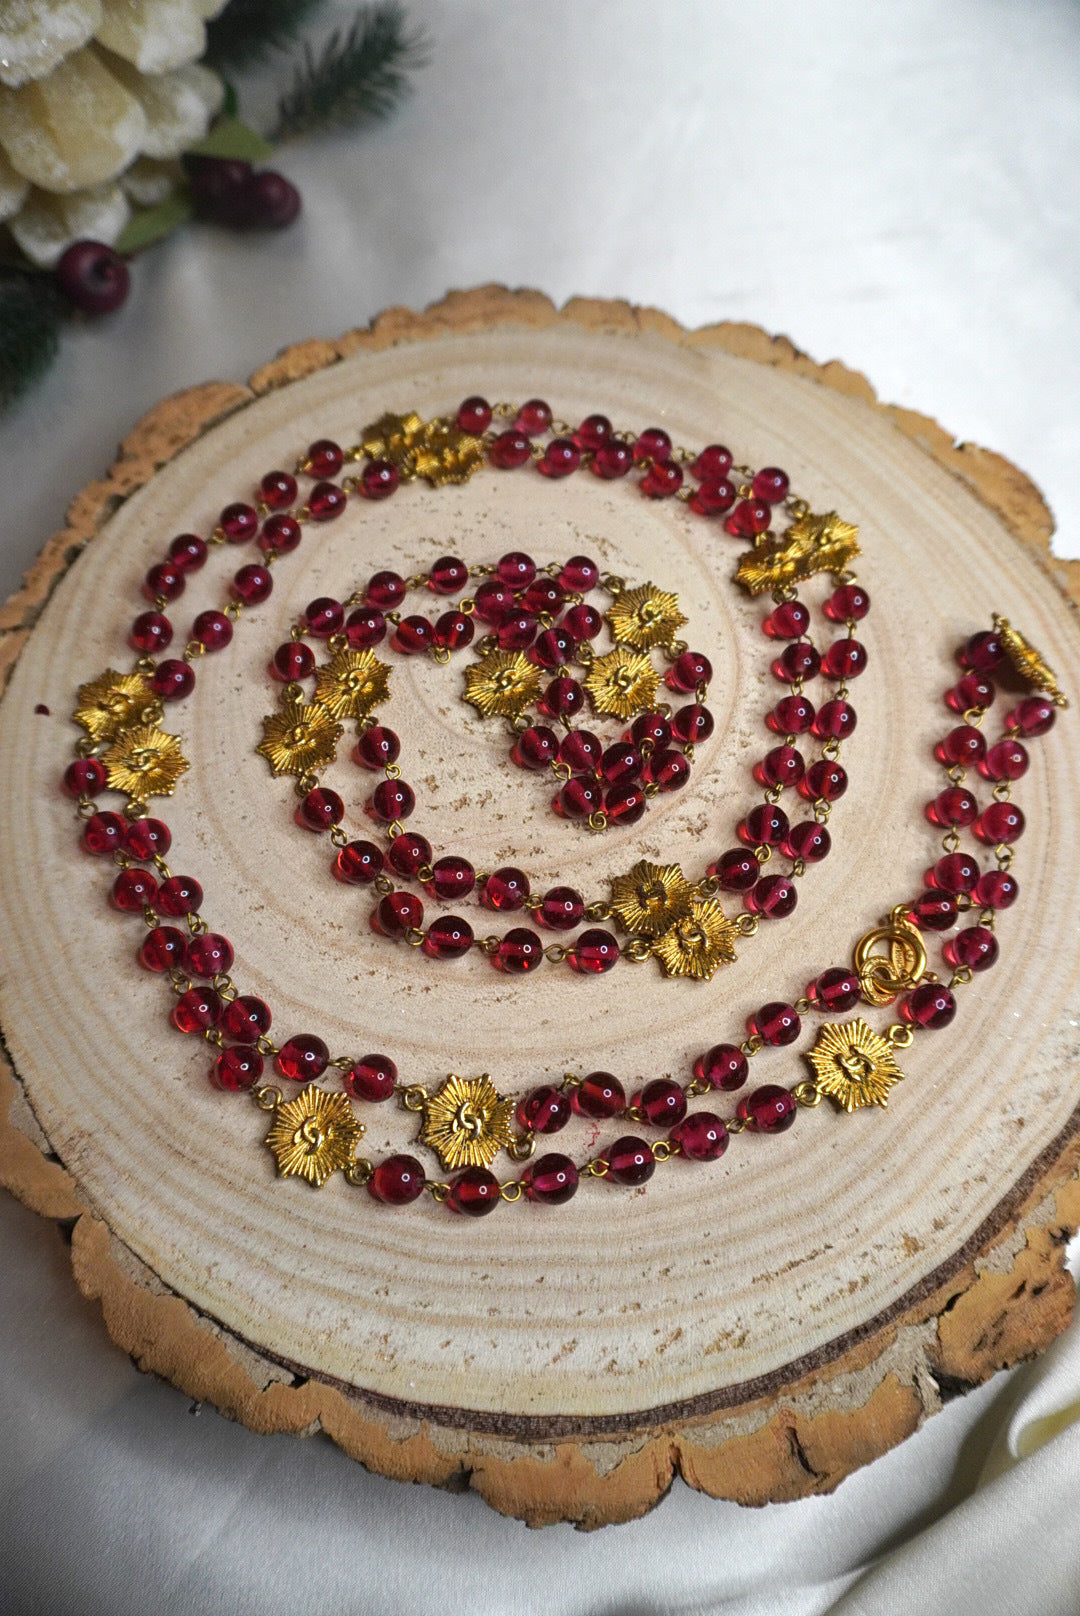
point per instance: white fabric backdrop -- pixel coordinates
(895, 185)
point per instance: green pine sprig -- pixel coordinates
(248, 32)
(30, 312)
(358, 76)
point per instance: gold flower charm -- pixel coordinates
(467, 1123)
(650, 898)
(111, 702)
(699, 943)
(502, 684)
(853, 1065)
(436, 450)
(622, 683)
(299, 737)
(314, 1135)
(1028, 663)
(811, 544)
(644, 617)
(352, 683)
(144, 762)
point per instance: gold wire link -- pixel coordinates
(512, 1191)
(440, 654)
(696, 1087)
(224, 984)
(753, 1045)
(807, 1093)
(597, 911)
(611, 582)
(179, 981)
(585, 656)
(522, 1147)
(571, 1080)
(488, 945)
(961, 976)
(950, 841)
(709, 886)
(1002, 792)
(974, 716)
(803, 1006)
(437, 1190)
(394, 830)
(86, 808)
(746, 925)
(762, 852)
(193, 649)
(735, 1125)
(414, 937)
(664, 1149)
(798, 866)
(822, 810)
(561, 771)
(638, 949)
(466, 606)
(338, 837)
(197, 926)
(1004, 855)
(634, 1113)
(900, 1035)
(414, 1097)
(556, 953)
(150, 917)
(344, 1063)
(338, 642)
(266, 1046)
(383, 884)
(597, 821)
(957, 774)
(359, 1172)
(213, 1035)
(831, 749)
(392, 771)
(266, 1096)
(597, 1168)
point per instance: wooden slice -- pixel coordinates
(763, 1325)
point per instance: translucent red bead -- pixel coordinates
(302, 1058)
(397, 1180)
(769, 1109)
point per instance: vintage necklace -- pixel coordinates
(465, 1121)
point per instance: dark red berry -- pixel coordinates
(269, 201)
(93, 277)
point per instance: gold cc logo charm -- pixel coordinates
(883, 976)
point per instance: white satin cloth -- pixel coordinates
(894, 184)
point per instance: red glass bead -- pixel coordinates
(563, 698)
(544, 595)
(385, 590)
(663, 1102)
(447, 575)
(847, 604)
(239, 523)
(807, 840)
(713, 461)
(599, 1096)
(104, 833)
(474, 1192)
(1005, 760)
(448, 937)
(788, 621)
(971, 691)
(209, 955)
(534, 417)
(653, 444)
(956, 872)
(975, 946)
(163, 948)
(581, 751)
(963, 745)
(398, 913)
(412, 636)
(366, 626)
(620, 763)
(579, 798)
(594, 952)
(409, 853)
(769, 1109)
(188, 552)
(749, 518)
(377, 747)
(982, 653)
(553, 648)
(397, 1180)
(85, 777)
(324, 617)
(551, 1180)
(173, 680)
(133, 891)
(954, 806)
(320, 810)
(835, 989)
(451, 878)
(1033, 716)
(771, 485)
(844, 659)
(777, 1023)
(934, 911)
(630, 1161)
(391, 799)
(150, 632)
(516, 631)
(774, 897)
(668, 771)
(650, 730)
(700, 1137)
(453, 631)
(999, 822)
(584, 622)
(196, 1010)
(561, 909)
(724, 1067)
(164, 580)
(579, 575)
(178, 896)
(212, 629)
(237, 1069)
(764, 826)
(535, 748)
(474, 415)
(689, 670)
(324, 458)
(783, 766)
(358, 863)
(624, 804)
(612, 460)
(278, 490)
(799, 660)
(246, 1019)
(505, 889)
(252, 584)
(280, 535)
(519, 951)
(302, 1058)
(929, 1005)
(494, 601)
(662, 479)
(824, 779)
(293, 660)
(561, 458)
(509, 450)
(544, 1110)
(147, 839)
(379, 479)
(835, 721)
(736, 870)
(996, 889)
(792, 715)
(692, 723)
(593, 432)
(515, 569)
(713, 497)
(372, 1078)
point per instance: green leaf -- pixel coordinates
(230, 107)
(230, 137)
(249, 32)
(30, 312)
(359, 76)
(153, 223)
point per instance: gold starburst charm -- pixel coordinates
(811, 544)
(883, 976)
(502, 684)
(854, 1065)
(314, 1135)
(650, 898)
(622, 683)
(644, 617)
(436, 450)
(144, 762)
(699, 943)
(299, 738)
(466, 1122)
(1028, 662)
(352, 683)
(113, 701)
